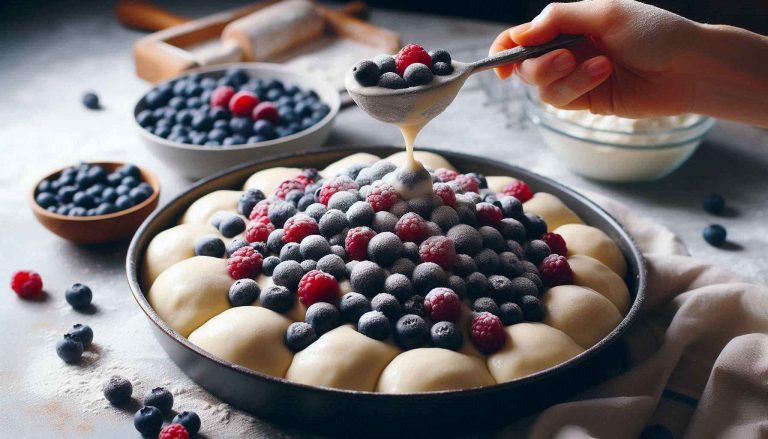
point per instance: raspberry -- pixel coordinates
(442, 304)
(174, 431)
(26, 283)
(438, 249)
(520, 190)
(244, 263)
(445, 174)
(467, 183)
(487, 332)
(411, 228)
(555, 270)
(317, 286)
(258, 230)
(265, 110)
(221, 96)
(556, 243)
(487, 214)
(260, 211)
(445, 193)
(299, 227)
(289, 185)
(242, 103)
(356, 242)
(410, 54)
(382, 197)
(338, 184)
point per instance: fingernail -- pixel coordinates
(597, 67)
(563, 62)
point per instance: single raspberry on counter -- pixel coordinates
(260, 211)
(467, 183)
(442, 304)
(221, 95)
(445, 174)
(27, 283)
(356, 242)
(438, 249)
(337, 184)
(487, 332)
(258, 230)
(174, 431)
(487, 214)
(299, 227)
(556, 243)
(382, 197)
(520, 190)
(242, 103)
(289, 185)
(555, 270)
(410, 54)
(411, 227)
(318, 286)
(244, 263)
(446, 193)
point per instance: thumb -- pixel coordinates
(580, 18)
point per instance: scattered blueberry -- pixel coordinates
(714, 204)
(70, 349)
(190, 421)
(148, 420)
(442, 69)
(715, 234)
(91, 101)
(314, 247)
(117, 390)
(161, 398)
(79, 296)
(84, 333)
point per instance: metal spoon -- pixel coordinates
(418, 105)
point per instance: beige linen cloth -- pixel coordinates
(698, 354)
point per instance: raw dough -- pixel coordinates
(171, 246)
(267, 180)
(250, 336)
(342, 165)
(531, 348)
(554, 211)
(497, 183)
(583, 314)
(590, 241)
(190, 292)
(591, 273)
(344, 359)
(433, 369)
(428, 159)
(203, 209)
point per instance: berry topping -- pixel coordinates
(386, 63)
(266, 111)
(374, 324)
(243, 292)
(260, 211)
(210, 245)
(190, 421)
(352, 306)
(242, 103)
(487, 332)
(366, 73)
(487, 214)
(485, 304)
(367, 278)
(299, 227)
(445, 175)
(536, 250)
(317, 286)
(289, 185)
(277, 298)
(532, 308)
(117, 390)
(174, 431)
(556, 243)
(231, 225)
(382, 197)
(148, 420)
(715, 234)
(417, 74)
(392, 81)
(520, 190)
(337, 184)
(258, 230)
(387, 304)
(411, 331)
(323, 317)
(440, 55)
(427, 276)
(299, 335)
(467, 183)
(510, 313)
(385, 248)
(555, 270)
(356, 242)
(314, 247)
(466, 239)
(245, 262)
(221, 95)
(442, 69)
(410, 54)
(443, 304)
(438, 249)
(446, 335)
(27, 283)
(411, 227)
(445, 192)
(159, 397)
(79, 296)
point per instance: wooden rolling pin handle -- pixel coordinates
(355, 9)
(137, 14)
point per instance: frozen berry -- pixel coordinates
(427, 276)
(410, 54)
(487, 261)
(384, 248)
(510, 313)
(117, 390)
(519, 189)
(440, 55)
(280, 212)
(535, 226)
(445, 192)
(715, 234)
(78, 296)
(314, 247)
(299, 227)
(299, 335)
(714, 204)
(342, 200)
(148, 420)
(356, 242)
(243, 292)
(308, 265)
(467, 183)
(438, 249)
(190, 421)
(374, 324)
(556, 243)
(555, 270)
(443, 304)
(84, 333)
(277, 298)
(384, 222)
(386, 63)
(532, 308)
(403, 266)
(399, 286)
(501, 288)
(445, 217)
(258, 230)
(69, 349)
(509, 265)
(464, 265)
(332, 222)
(336, 184)
(287, 186)
(387, 304)
(446, 335)
(411, 331)
(173, 431)
(487, 332)
(392, 81)
(417, 74)
(322, 316)
(366, 73)
(512, 230)
(442, 69)
(291, 252)
(488, 214)
(477, 285)
(244, 263)
(485, 304)
(27, 284)
(91, 101)
(382, 197)
(260, 211)
(210, 245)
(161, 398)
(536, 250)
(367, 278)
(411, 227)
(466, 239)
(248, 201)
(242, 103)
(317, 286)
(231, 225)
(331, 264)
(352, 306)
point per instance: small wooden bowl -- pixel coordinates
(101, 228)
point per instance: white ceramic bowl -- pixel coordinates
(194, 161)
(614, 155)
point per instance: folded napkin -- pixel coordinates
(698, 354)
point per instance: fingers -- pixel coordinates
(504, 42)
(582, 18)
(547, 68)
(573, 88)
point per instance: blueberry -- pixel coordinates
(485, 304)
(202, 122)
(238, 75)
(440, 55)
(352, 306)
(714, 204)
(273, 95)
(466, 239)
(241, 125)
(248, 200)
(81, 199)
(260, 247)
(535, 225)
(414, 305)
(387, 304)
(342, 200)
(145, 118)
(46, 200)
(512, 229)
(299, 335)
(510, 207)
(510, 313)
(162, 131)
(219, 114)
(62, 210)
(84, 333)
(366, 73)
(463, 265)
(374, 324)
(177, 103)
(294, 196)
(161, 398)
(367, 278)
(384, 221)
(217, 135)
(427, 276)
(446, 335)
(305, 201)
(411, 251)
(509, 265)
(536, 250)
(123, 202)
(280, 211)
(332, 222)
(532, 308)
(277, 298)
(403, 266)
(331, 264)
(69, 349)
(79, 296)
(442, 69)
(392, 80)
(105, 209)
(148, 420)
(715, 234)
(417, 74)
(411, 331)
(291, 251)
(192, 89)
(492, 239)
(384, 248)
(322, 316)
(302, 109)
(235, 139)
(184, 117)
(231, 225)
(77, 211)
(275, 241)
(399, 286)
(308, 265)
(386, 63)
(117, 390)
(269, 264)
(316, 211)
(91, 101)
(477, 285)
(288, 274)
(138, 195)
(243, 292)
(360, 214)
(487, 261)
(339, 251)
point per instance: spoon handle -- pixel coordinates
(519, 53)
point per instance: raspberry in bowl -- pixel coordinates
(213, 118)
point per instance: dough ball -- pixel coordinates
(554, 211)
(531, 348)
(342, 165)
(203, 209)
(581, 313)
(342, 358)
(249, 336)
(433, 369)
(591, 273)
(267, 180)
(190, 292)
(497, 183)
(590, 241)
(171, 246)
(428, 159)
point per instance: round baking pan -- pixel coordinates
(367, 414)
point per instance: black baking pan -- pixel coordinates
(368, 414)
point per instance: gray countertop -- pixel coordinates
(49, 59)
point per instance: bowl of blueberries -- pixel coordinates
(94, 203)
(213, 118)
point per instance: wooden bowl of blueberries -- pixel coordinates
(94, 203)
(210, 119)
